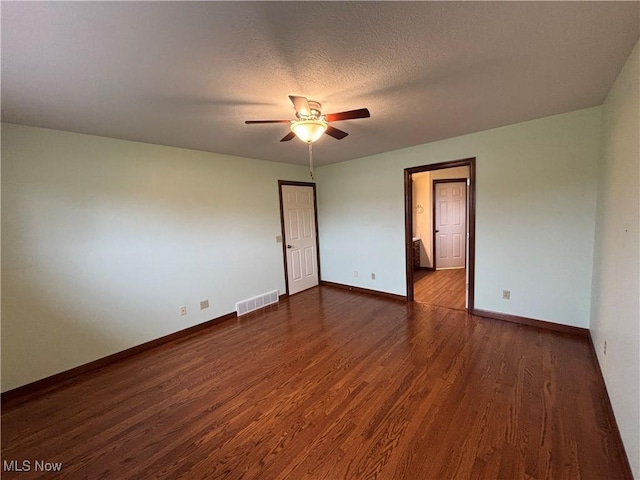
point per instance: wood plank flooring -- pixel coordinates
(332, 384)
(444, 288)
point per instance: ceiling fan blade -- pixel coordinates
(301, 105)
(335, 133)
(288, 137)
(249, 122)
(349, 115)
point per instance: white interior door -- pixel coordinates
(450, 224)
(298, 209)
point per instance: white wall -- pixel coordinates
(104, 239)
(535, 216)
(423, 218)
(615, 310)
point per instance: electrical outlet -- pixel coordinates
(373, 276)
(183, 311)
(204, 304)
(355, 273)
(605, 347)
(506, 294)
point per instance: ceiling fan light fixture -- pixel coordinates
(308, 130)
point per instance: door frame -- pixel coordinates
(471, 212)
(281, 183)
(433, 213)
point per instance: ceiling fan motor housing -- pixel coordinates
(315, 108)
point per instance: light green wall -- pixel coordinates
(615, 316)
(104, 239)
(535, 217)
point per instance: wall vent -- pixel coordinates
(255, 303)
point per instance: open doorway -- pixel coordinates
(440, 233)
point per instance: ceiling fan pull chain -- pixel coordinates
(311, 161)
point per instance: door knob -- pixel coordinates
(289, 246)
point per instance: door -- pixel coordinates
(299, 225)
(450, 224)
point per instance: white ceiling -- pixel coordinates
(187, 74)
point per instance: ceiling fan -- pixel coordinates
(310, 123)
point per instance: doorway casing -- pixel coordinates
(471, 212)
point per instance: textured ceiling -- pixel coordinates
(187, 74)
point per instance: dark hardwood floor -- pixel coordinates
(332, 384)
(444, 288)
